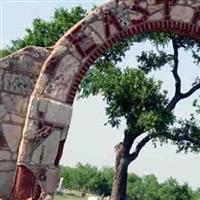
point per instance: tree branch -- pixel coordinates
(139, 147)
(175, 68)
(185, 137)
(173, 102)
(177, 95)
(191, 91)
(193, 141)
(181, 96)
(129, 139)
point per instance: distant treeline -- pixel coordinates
(99, 181)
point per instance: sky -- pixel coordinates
(89, 141)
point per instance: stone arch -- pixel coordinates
(50, 105)
(106, 26)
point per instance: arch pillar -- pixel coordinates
(45, 131)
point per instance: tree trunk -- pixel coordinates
(120, 178)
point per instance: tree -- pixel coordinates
(152, 187)
(131, 95)
(105, 185)
(135, 187)
(147, 111)
(44, 33)
(171, 190)
(197, 194)
(139, 188)
(88, 178)
(68, 175)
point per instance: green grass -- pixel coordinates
(73, 195)
(69, 197)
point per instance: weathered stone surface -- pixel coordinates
(13, 107)
(26, 153)
(59, 85)
(47, 125)
(28, 60)
(18, 74)
(2, 111)
(52, 180)
(98, 29)
(192, 3)
(3, 142)
(17, 119)
(177, 13)
(4, 155)
(18, 83)
(12, 133)
(31, 128)
(6, 180)
(1, 78)
(51, 111)
(64, 133)
(48, 150)
(14, 156)
(58, 113)
(7, 166)
(156, 16)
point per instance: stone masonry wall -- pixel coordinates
(18, 75)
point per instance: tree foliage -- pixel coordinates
(131, 95)
(99, 181)
(185, 133)
(88, 178)
(47, 33)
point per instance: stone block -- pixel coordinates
(59, 85)
(46, 152)
(14, 157)
(156, 16)
(53, 112)
(2, 111)
(19, 83)
(16, 119)
(58, 113)
(52, 180)
(7, 166)
(28, 60)
(64, 133)
(33, 108)
(99, 32)
(25, 152)
(182, 13)
(6, 181)
(4, 155)
(12, 134)
(11, 103)
(30, 129)
(1, 78)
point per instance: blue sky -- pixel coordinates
(89, 141)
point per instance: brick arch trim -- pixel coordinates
(50, 106)
(106, 26)
(180, 28)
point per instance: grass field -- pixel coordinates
(73, 195)
(68, 197)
